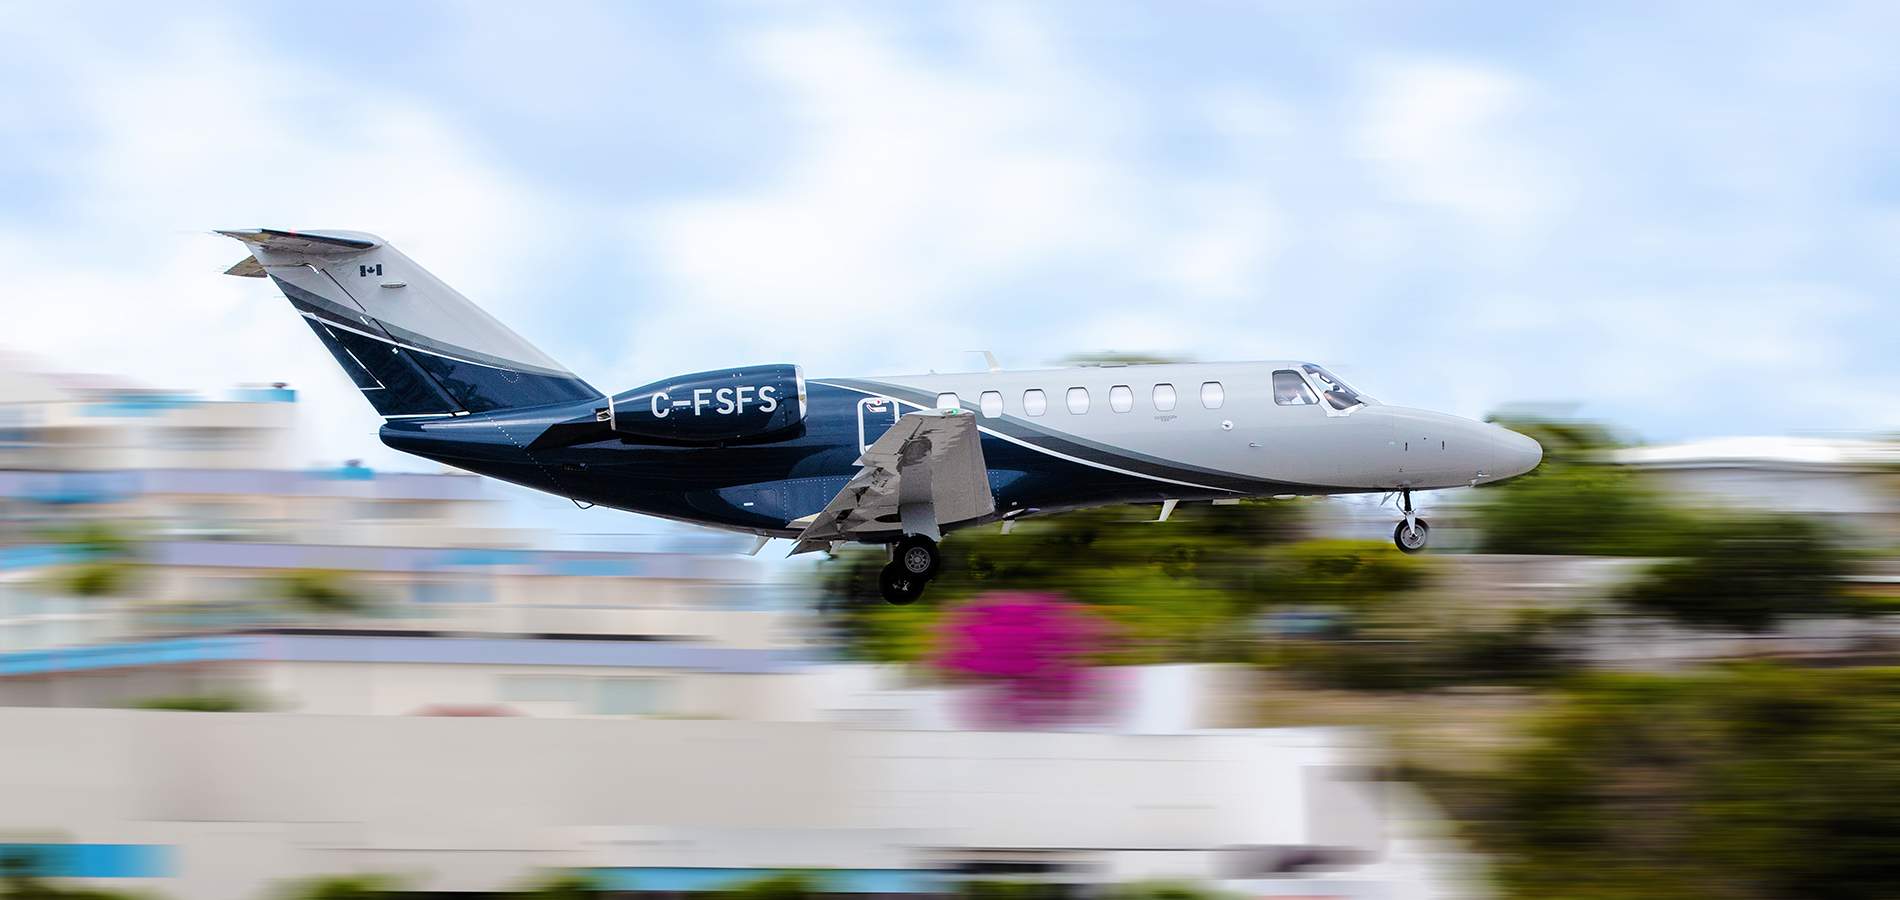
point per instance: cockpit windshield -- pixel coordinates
(1339, 395)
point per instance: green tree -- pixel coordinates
(1750, 573)
(196, 703)
(342, 887)
(1167, 890)
(1576, 501)
(561, 885)
(1178, 590)
(794, 885)
(1756, 782)
(95, 578)
(321, 591)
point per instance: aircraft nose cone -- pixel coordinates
(1513, 454)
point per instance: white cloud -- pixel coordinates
(209, 129)
(917, 187)
(1449, 135)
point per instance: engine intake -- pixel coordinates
(709, 407)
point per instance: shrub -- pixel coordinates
(1748, 573)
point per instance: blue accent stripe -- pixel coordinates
(88, 860)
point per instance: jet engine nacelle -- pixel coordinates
(709, 407)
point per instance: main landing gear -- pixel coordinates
(1412, 533)
(914, 561)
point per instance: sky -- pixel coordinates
(1678, 218)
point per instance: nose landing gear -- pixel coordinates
(1412, 533)
(914, 561)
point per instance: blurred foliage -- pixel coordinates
(1166, 890)
(342, 887)
(1749, 573)
(321, 591)
(1118, 358)
(1342, 573)
(1009, 890)
(793, 885)
(97, 578)
(1753, 782)
(1182, 590)
(105, 568)
(1576, 502)
(1581, 509)
(107, 540)
(561, 885)
(1529, 649)
(197, 703)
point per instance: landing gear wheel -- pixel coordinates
(899, 587)
(918, 555)
(1413, 539)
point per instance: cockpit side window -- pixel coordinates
(1289, 389)
(1339, 395)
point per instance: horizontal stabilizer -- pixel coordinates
(248, 267)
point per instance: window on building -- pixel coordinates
(992, 403)
(1035, 403)
(1289, 389)
(1078, 400)
(1212, 395)
(542, 688)
(629, 697)
(1164, 397)
(948, 401)
(1120, 398)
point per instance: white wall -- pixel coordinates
(478, 803)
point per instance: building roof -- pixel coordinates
(1764, 452)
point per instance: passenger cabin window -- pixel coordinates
(1289, 389)
(992, 404)
(947, 401)
(1120, 398)
(1212, 396)
(1164, 397)
(1035, 402)
(1078, 400)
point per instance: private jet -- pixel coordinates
(895, 461)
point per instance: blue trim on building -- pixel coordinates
(583, 563)
(415, 650)
(88, 860)
(119, 656)
(112, 486)
(138, 405)
(32, 556)
(838, 881)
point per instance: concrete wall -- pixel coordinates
(466, 804)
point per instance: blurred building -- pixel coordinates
(444, 700)
(335, 590)
(219, 806)
(1852, 483)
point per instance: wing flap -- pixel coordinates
(929, 464)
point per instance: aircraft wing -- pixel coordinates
(926, 471)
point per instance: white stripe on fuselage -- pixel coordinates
(1045, 450)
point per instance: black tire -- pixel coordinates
(918, 555)
(899, 588)
(1417, 541)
